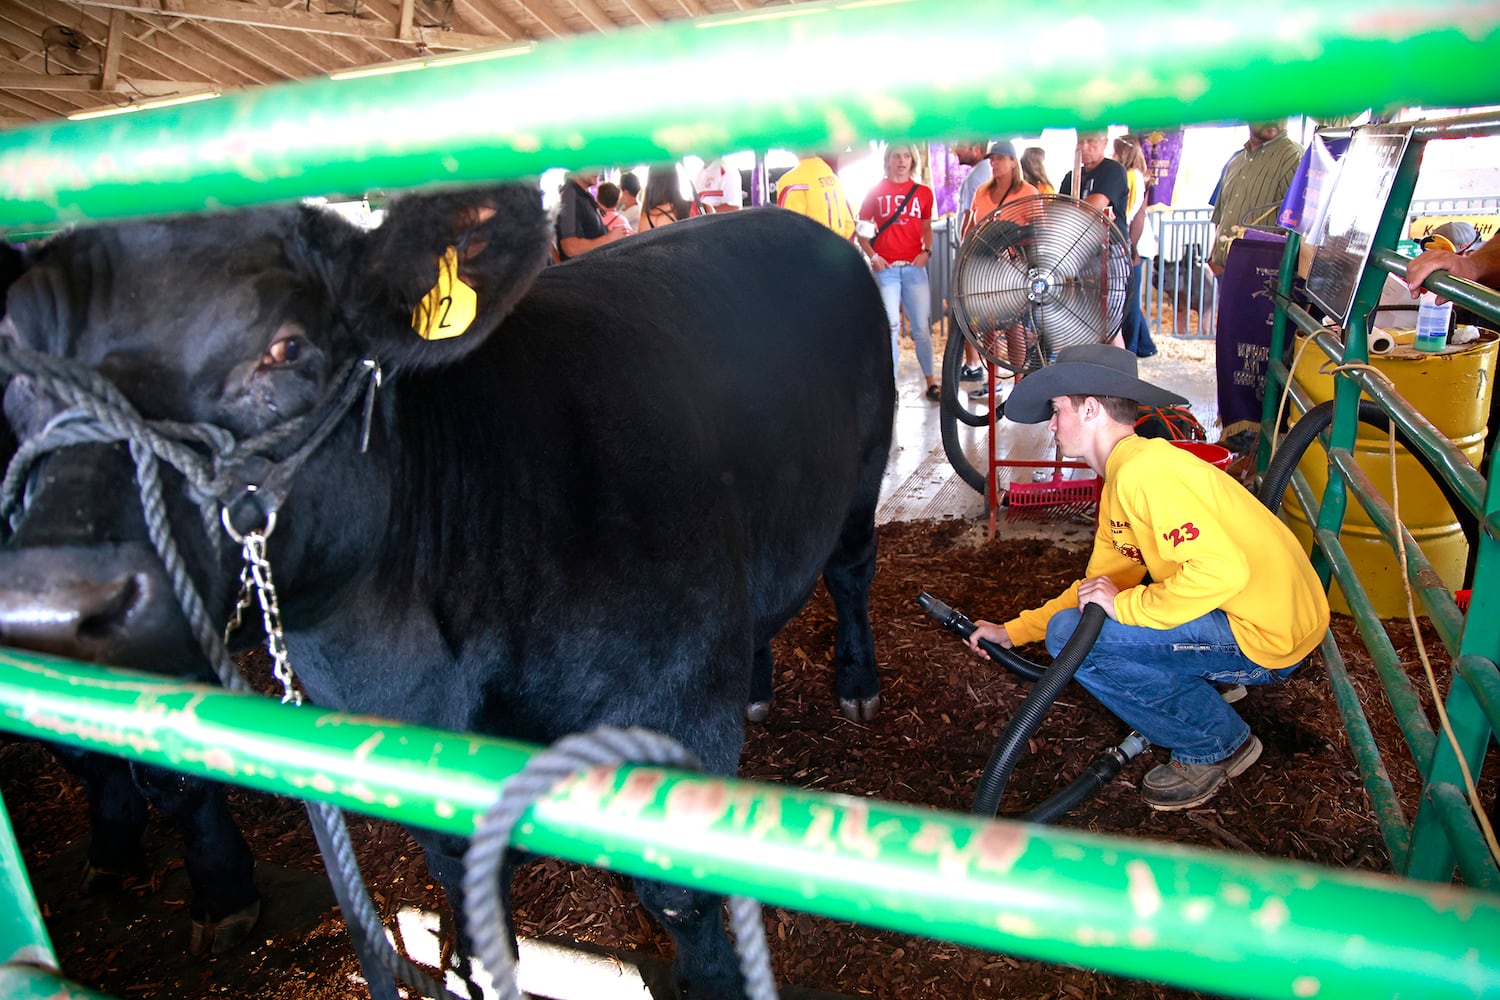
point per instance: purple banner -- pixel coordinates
(1243, 339)
(1307, 198)
(947, 177)
(1163, 152)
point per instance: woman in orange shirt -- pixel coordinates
(1006, 185)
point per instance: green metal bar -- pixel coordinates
(1285, 277)
(1429, 588)
(1208, 920)
(1422, 436)
(1434, 851)
(28, 982)
(1390, 817)
(1398, 687)
(1475, 298)
(1482, 677)
(23, 935)
(1451, 807)
(522, 109)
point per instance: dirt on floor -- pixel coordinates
(942, 712)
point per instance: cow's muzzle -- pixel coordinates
(103, 604)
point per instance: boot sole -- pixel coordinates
(1234, 770)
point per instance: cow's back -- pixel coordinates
(730, 367)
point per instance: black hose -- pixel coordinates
(1088, 784)
(963, 626)
(1302, 434)
(951, 411)
(1024, 724)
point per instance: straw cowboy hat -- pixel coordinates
(1085, 370)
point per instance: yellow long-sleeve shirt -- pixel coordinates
(1207, 543)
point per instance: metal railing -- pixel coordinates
(1447, 830)
(1180, 292)
(1135, 908)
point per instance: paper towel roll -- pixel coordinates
(1380, 341)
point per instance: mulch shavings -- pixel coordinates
(942, 712)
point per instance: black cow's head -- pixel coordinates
(244, 336)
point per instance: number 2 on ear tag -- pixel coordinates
(449, 308)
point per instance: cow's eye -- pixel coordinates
(285, 351)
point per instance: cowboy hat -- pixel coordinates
(1085, 370)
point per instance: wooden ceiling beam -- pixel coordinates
(594, 14)
(170, 58)
(229, 12)
(547, 16)
(93, 84)
(643, 12)
(490, 16)
(110, 74)
(203, 54)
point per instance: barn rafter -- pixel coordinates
(62, 57)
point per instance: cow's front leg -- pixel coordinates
(762, 679)
(225, 904)
(117, 816)
(706, 967)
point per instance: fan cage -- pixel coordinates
(1037, 275)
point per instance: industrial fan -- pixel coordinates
(1037, 275)
(68, 51)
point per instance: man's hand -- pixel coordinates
(1429, 261)
(988, 630)
(1100, 590)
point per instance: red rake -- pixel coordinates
(1055, 497)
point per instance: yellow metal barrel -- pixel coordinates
(1452, 390)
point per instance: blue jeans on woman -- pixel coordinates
(1161, 682)
(1134, 328)
(906, 285)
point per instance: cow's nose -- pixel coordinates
(68, 616)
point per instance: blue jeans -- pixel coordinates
(1161, 681)
(1134, 327)
(906, 285)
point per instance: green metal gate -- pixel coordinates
(1277, 929)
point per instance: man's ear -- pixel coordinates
(436, 277)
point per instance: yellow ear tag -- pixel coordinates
(449, 308)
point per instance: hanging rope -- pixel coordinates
(1470, 788)
(484, 906)
(213, 466)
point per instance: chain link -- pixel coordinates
(259, 570)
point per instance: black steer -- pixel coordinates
(596, 503)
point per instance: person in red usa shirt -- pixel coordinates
(1202, 585)
(895, 232)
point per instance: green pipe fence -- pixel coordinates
(1229, 923)
(518, 110)
(1445, 832)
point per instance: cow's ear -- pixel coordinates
(437, 276)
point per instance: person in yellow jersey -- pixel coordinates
(813, 189)
(1200, 583)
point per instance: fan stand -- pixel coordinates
(1058, 496)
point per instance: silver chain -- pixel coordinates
(258, 569)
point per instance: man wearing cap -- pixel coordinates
(1481, 266)
(1230, 597)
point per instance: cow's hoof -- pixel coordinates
(225, 934)
(105, 878)
(758, 711)
(860, 709)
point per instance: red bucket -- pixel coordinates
(1214, 454)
